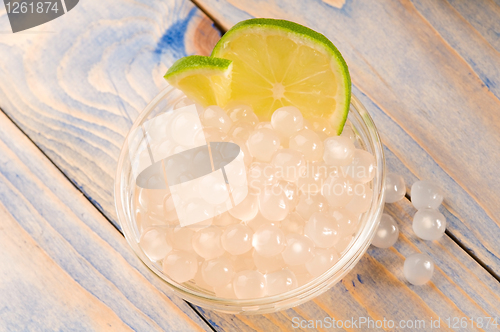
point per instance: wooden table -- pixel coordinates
(428, 71)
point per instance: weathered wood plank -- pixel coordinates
(28, 275)
(62, 265)
(429, 78)
(76, 91)
(76, 115)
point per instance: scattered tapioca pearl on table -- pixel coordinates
(426, 194)
(286, 229)
(181, 266)
(387, 232)
(429, 224)
(243, 113)
(395, 188)
(418, 269)
(263, 143)
(217, 272)
(308, 143)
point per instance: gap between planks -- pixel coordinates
(91, 202)
(218, 25)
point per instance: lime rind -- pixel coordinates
(316, 39)
(191, 63)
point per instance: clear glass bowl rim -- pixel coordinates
(285, 300)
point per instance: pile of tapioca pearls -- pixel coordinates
(428, 224)
(308, 189)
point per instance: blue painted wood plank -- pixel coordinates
(74, 85)
(62, 265)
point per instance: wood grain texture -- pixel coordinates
(62, 265)
(75, 84)
(428, 72)
(76, 93)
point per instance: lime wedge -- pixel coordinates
(279, 63)
(204, 79)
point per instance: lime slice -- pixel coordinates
(279, 63)
(204, 79)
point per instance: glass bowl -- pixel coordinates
(367, 137)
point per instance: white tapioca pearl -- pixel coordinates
(395, 188)
(323, 230)
(181, 266)
(429, 224)
(426, 194)
(387, 232)
(154, 243)
(280, 282)
(268, 240)
(418, 269)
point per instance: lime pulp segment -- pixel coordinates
(280, 63)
